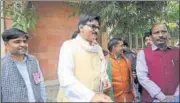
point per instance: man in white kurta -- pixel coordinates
(82, 67)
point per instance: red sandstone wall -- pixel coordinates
(53, 28)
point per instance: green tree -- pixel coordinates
(172, 18)
(130, 19)
(124, 17)
(173, 11)
(22, 12)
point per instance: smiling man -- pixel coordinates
(21, 77)
(82, 68)
(120, 72)
(158, 67)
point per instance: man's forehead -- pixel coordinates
(159, 26)
(93, 22)
(20, 38)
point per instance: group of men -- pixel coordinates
(87, 75)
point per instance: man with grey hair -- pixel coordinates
(158, 67)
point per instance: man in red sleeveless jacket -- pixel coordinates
(158, 67)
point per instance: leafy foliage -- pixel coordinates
(121, 18)
(129, 17)
(23, 16)
(173, 11)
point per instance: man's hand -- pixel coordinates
(107, 85)
(168, 97)
(101, 98)
(134, 95)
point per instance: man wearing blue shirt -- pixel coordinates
(21, 77)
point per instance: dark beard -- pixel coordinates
(162, 45)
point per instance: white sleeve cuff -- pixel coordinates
(91, 95)
(160, 96)
(77, 92)
(177, 91)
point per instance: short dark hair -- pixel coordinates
(113, 42)
(125, 43)
(84, 18)
(147, 34)
(13, 33)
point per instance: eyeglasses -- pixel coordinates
(93, 26)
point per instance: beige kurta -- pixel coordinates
(88, 67)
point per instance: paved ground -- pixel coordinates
(52, 90)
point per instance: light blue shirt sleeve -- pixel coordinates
(22, 68)
(142, 74)
(42, 85)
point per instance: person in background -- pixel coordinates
(147, 39)
(82, 67)
(120, 73)
(131, 56)
(105, 52)
(158, 67)
(21, 76)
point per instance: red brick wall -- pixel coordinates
(53, 28)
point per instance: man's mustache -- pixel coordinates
(23, 48)
(95, 33)
(161, 39)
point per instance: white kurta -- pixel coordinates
(72, 87)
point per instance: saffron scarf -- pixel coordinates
(111, 92)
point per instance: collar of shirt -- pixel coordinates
(154, 47)
(86, 46)
(115, 58)
(24, 60)
(14, 61)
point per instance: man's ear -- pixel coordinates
(80, 26)
(168, 36)
(5, 43)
